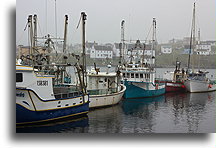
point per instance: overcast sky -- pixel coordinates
(104, 18)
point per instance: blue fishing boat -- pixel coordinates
(140, 83)
(138, 72)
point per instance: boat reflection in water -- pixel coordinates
(106, 120)
(196, 111)
(131, 106)
(169, 113)
(140, 114)
(73, 125)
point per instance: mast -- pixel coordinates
(122, 41)
(144, 47)
(153, 42)
(199, 47)
(83, 17)
(30, 33)
(152, 65)
(65, 33)
(34, 38)
(64, 48)
(192, 40)
(35, 33)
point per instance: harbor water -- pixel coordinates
(169, 113)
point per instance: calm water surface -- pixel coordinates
(169, 113)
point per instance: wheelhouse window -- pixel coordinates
(19, 77)
(132, 75)
(124, 75)
(137, 75)
(141, 75)
(128, 75)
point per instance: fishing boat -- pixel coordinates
(174, 80)
(38, 101)
(104, 88)
(140, 82)
(139, 74)
(44, 91)
(197, 80)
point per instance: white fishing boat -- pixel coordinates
(44, 91)
(196, 81)
(104, 88)
(38, 101)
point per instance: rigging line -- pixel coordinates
(79, 22)
(39, 27)
(46, 10)
(21, 37)
(148, 33)
(56, 23)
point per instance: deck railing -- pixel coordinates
(67, 95)
(103, 91)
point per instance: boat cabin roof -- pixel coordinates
(24, 68)
(102, 74)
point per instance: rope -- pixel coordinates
(148, 33)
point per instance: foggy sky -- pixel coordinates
(174, 18)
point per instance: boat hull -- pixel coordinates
(30, 108)
(106, 100)
(174, 86)
(25, 116)
(142, 90)
(199, 86)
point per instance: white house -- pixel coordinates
(203, 49)
(137, 53)
(166, 49)
(101, 51)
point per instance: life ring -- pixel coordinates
(156, 86)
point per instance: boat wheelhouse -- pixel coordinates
(104, 88)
